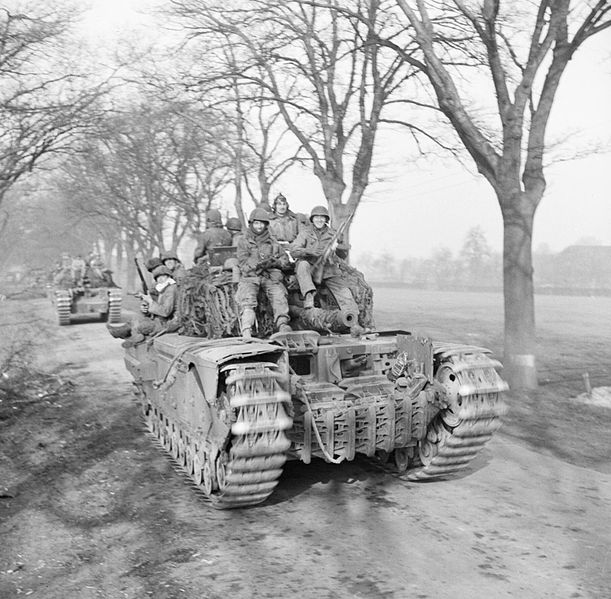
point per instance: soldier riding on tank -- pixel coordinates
(285, 227)
(309, 249)
(215, 235)
(260, 259)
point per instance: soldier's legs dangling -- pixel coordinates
(303, 271)
(342, 294)
(246, 296)
(276, 292)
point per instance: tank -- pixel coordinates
(103, 302)
(231, 411)
(77, 288)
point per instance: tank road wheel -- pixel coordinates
(175, 448)
(221, 471)
(207, 478)
(189, 460)
(198, 467)
(401, 458)
(471, 389)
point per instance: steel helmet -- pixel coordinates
(319, 211)
(233, 224)
(213, 217)
(161, 270)
(169, 256)
(153, 263)
(259, 214)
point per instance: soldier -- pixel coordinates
(214, 236)
(234, 226)
(158, 314)
(79, 269)
(171, 261)
(162, 310)
(308, 248)
(260, 259)
(285, 227)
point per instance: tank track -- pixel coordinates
(63, 306)
(472, 391)
(246, 470)
(114, 306)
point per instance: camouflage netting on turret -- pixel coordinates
(207, 306)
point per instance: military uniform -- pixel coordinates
(253, 249)
(160, 313)
(284, 227)
(214, 236)
(307, 248)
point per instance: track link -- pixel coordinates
(63, 307)
(114, 306)
(247, 470)
(475, 407)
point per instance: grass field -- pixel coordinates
(573, 337)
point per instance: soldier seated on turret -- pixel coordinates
(309, 248)
(260, 258)
(215, 235)
(285, 227)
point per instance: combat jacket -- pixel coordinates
(212, 237)
(253, 249)
(311, 243)
(164, 307)
(284, 228)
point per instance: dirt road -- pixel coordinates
(93, 510)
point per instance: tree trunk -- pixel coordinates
(520, 367)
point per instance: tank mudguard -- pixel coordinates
(208, 356)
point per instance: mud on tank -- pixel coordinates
(231, 412)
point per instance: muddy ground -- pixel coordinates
(90, 508)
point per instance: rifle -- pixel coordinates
(338, 233)
(145, 287)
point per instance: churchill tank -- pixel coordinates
(100, 302)
(230, 411)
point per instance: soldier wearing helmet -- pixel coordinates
(171, 261)
(260, 259)
(234, 226)
(285, 227)
(214, 236)
(159, 315)
(308, 248)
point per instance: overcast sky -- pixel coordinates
(424, 205)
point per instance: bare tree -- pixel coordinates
(524, 49)
(151, 172)
(323, 69)
(43, 104)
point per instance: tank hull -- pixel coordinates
(230, 412)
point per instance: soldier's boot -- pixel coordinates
(283, 324)
(308, 300)
(247, 321)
